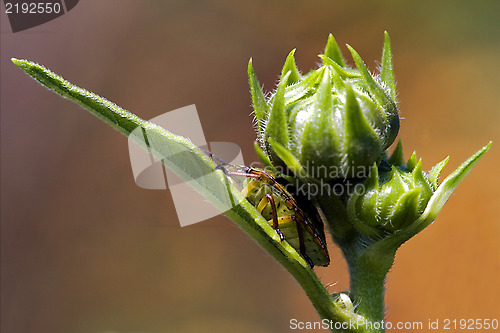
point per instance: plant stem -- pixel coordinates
(367, 277)
(368, 262)
(367, 289)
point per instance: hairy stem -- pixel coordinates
(367, 271)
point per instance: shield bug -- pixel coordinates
(271, 199)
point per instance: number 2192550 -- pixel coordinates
(470, 324)
(33, 8)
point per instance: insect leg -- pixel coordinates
(302, 246)
(275, 216)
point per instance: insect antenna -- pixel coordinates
(221, 164)
(213, 156)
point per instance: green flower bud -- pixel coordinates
(397, 197)
(392, 199)
(331, 123)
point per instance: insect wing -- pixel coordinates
(297, 226)
(292, 222)
(281, 211)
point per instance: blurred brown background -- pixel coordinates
(83, 249)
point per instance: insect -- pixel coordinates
(280, 209)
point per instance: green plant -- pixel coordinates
(330, 128)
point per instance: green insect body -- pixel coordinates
(280, 209)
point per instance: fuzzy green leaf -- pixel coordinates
(360, 222)
(420, 181)
(445, 190)
(258, 100)
(406, 209)
(362, 142)
(412, 162)
(378, 93)
(277, 126)
(373, 87)
(291, 67)
(397, 155)
(263, 157)
(366, 211)
(387, 71)
(289, 159)
(342, 71)
(332, 51)
(319, 141)
(296, 91)
(436, 171)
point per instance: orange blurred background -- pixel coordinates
(83, 249)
